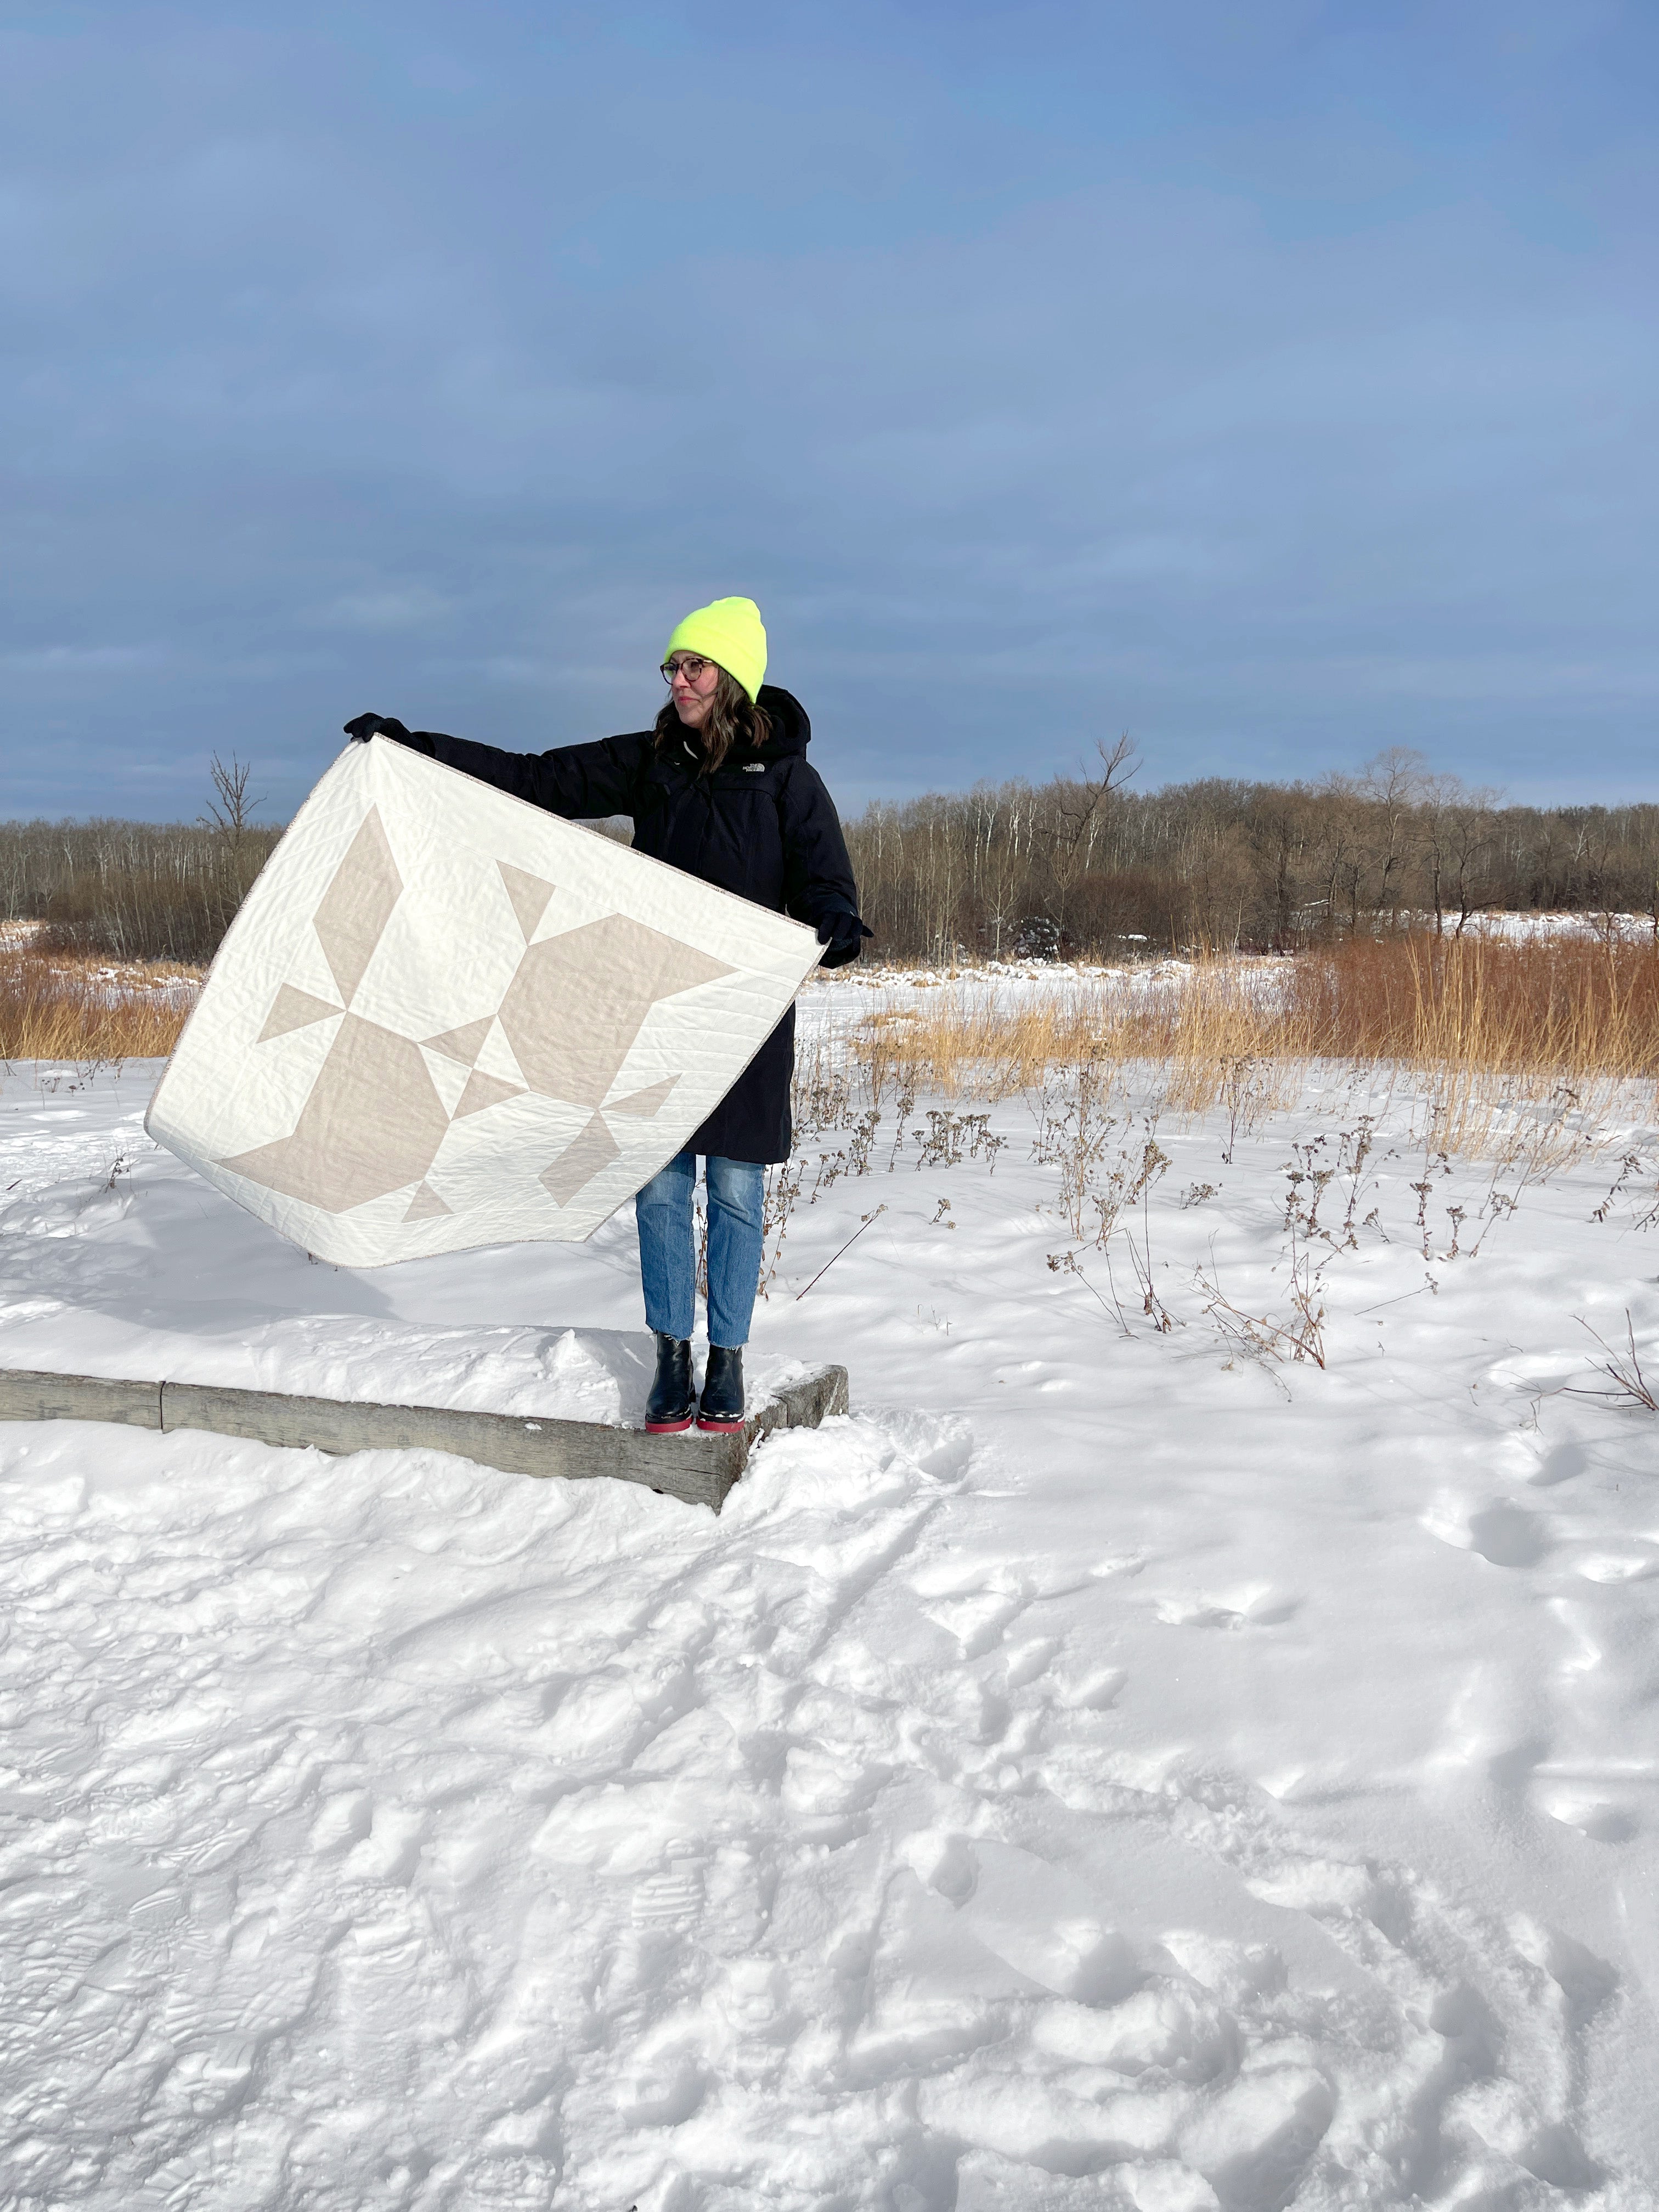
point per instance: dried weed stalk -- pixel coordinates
(1518, 1049)
(1627, 1384)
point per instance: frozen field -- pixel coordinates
(1117, 1767)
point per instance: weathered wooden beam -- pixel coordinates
(699, 1469)
(31, 1395)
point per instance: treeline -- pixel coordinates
(130, 890)
(1085, 864)
(1089, 865)
(139, 891)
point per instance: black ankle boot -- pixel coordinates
(673, 1400)
(721, 1404)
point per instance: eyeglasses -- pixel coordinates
(688, 664)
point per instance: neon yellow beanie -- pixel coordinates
(731, 632)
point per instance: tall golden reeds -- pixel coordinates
(57, 1007)
(1486, 1025)
(1566, 1006)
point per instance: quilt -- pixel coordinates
(444, 1018)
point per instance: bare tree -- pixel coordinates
(1214, 867)
(1080, 816)
(1001, 828)
(1339, 850)
(1394, 785)
(1470, 844)
(1276, 821)
(1456, 839)
(230, 808)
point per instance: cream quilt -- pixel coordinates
(444, 1018)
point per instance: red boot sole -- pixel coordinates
(668, 1428)
(718, 1428)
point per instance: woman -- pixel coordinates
(720, 788)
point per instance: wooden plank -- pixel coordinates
(30, 1394)
(812, 1398)
(699, 1469)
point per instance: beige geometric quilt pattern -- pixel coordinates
(444, 1018)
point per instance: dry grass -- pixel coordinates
(1556, 1005)
(55, 1006)
(1491, 1026)
(1492, 1030)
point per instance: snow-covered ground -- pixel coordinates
(1117, 1767)
(1633, 928)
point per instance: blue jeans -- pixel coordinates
(668, 1258)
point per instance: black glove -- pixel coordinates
(361, 727)
(842, 935)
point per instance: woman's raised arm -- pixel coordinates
(585, 783)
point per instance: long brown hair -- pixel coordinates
(732, 719)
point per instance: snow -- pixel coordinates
(1495, 922)
(1115, 1768)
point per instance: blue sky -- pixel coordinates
(1276, 383)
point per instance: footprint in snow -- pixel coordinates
(977, 1618)
(1033, 1915)
(1633, 1561)
(940, 1444)
(821, 1783)
(1135, 2065)
(1509, 1535)
(1254, 2143)
(1032, 1665)
(1259, 1609)
(343, 1820)
(987, 2182)
(391, 1851)
(672, 1898)
(1166, 2026)
(1030, 1661)
(1559, 1464)
(665, 2095)
(1602, 1820)
(1094, 1694)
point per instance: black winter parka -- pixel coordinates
(762, 825)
